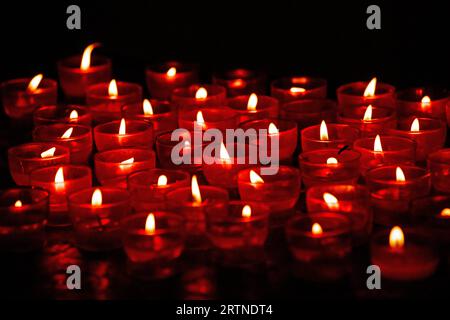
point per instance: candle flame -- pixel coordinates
(255, 178)
(368, 113)
(316, 229)
(396, 238)
(200, 119)
(59, 176)
(67, 134)
(237, 83)
(273, 128)
(377, 147)
(147, 107)
(445, 212)
(399, 175)
(332, 161)
(201, 93)
(122, 127)
(252, 102)
(426, 102)
(113, 92)
(415, 127)
(296, 90)
(224, 155)
(171, 72)
(73, 115)
(246, 211)
(323, 131)
(128, 161)
(18, 204)
(34, 83)
(331, 201)
(48, 153)
(370, 89)
(195, 189)
(97, 198)
(162, 180)
(150, 225)
(86, 58)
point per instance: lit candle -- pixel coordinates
(254, 107)
(218, 118)
(326, 136)
(196, 96)
(296, 88)
(62, 114)
(239, 82)
(439, 165)
(422, 103)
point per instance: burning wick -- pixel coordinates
(426, 102)
(252, 102)
(377, 144)
(200, 120)
(195, 189)
(368, 114)
(86, 59)
(255, 178)
(396, 238)
(237, 83)
(331, 201)
(445, 212)
(122, 127)
(323, 131)
(332, 161)
(246, 212)
(171, 72)
(73, 115)
(128, 161)
(162, 180)
(34, 83)
(415, 126)
(147, 107)
(48, 153)
(224, 155)
(18, 204)
(399, 175)
(67, 134)
(150, 224)
(97, 198)
(370, 89)
(273, 128)
(316, 229)
(113, 92)
(296, 90)
(201, 93)
(59, 179)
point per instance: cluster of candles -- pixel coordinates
(374, 157)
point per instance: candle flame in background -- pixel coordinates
(128, 161)
(113, 92)
(252, 102)
(162, 180)
(415, 126)
(246, 211)
(201, 93)
(86, 58)
(377, 147)
(122, 127)
(255, 178)
(331, 201)
(187, 144)
(316, 229)
(34, 83)
(147, 107)
(200, 119)
(224, 155)
(171, 72)
(97, 198)
(371, 87)
(67, 134)
(150, 224)
(323, 131)
(368, 113)
(273, 128)
(59, 176)
(195, 189)
(73, 115)
(396, 238)
(237, 83)
(445, 212)
(426, 102)
(399, 175)
(296, 90)
(18, 204)
(48, 153)
(332, 161)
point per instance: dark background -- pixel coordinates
(322, 38)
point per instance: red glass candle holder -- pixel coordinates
(79, 143)
(20, 103)
(417, 259)
(163, 79)
(422, 102)
(148, 189)
(379, 122)
(309, 112)
(23, 213)
(152, 254)
(350, 200)
(433, 214)
(321, 244)
(75, 81)
(113, 166)
(106, 108)
(182, 202)
(62, 114)
(74, 178)
(30, 156)
(439, 165)
(297, 88)
(162, 117)
(329, 166)
(391, 198)
(429, 137)
(241, 81)
(352, 94)
(185, 98)
(137, 134)
(265, 107)
(395, 150)
(98, 227)
(339, 136)
(222, 119)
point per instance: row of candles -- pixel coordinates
(384, 137)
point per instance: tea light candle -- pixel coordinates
(77, 138)
(433, 213)
(60, 182)
(23, 212)
(153, 242)
(296, 88)
(96, 215)
(254, 107)
(199, 96)
(370, 120)
(405, 256)
(239, 82)
(350, 200)
(21, 97)
(163, 79)
(62, 114)
(222, 119)
(106, 99)
(429, 135)
(321, 245)
(392, 190)
(328, 136)
(191, 203)
(78, 73)
(161, 115)
(329, 166)
(309, 112)
(113, 166)
(148, 188)
(30, 156)
(123, 134)
(422, 102)
(439, 165)
(363, 93)
(385, 150)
